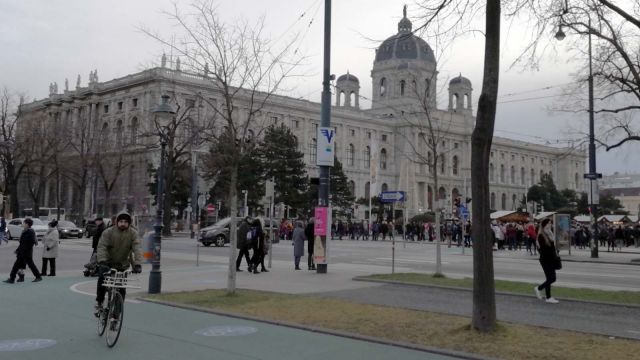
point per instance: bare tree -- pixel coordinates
(614, 28)
(12, 165)
(244, 70)
(458, 15)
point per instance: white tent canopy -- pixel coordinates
(544, 215)
(499, 214)
(582, 218)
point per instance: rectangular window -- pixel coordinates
(295, 123)
(274, 120)
(513, 157)
(369, 135)
(119, 105)
(384, 137)
(134, 102)
(353, 132)
(106, 109)
(455, 145)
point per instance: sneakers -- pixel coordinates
(538, 294)
(552, 300)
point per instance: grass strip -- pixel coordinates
(618, 297)
(508, 341)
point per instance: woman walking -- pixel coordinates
(548, 259)
(50, 251)
(298, 244)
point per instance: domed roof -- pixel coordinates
(404, 44)
(348, 77)
(460, 80)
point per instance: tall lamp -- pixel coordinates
(163, 112)
(592, 175)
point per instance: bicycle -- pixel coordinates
(111, 317)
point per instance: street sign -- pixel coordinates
(201, 200)
(211, 208)
(593, 176)
(392, 196)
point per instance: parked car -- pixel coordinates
(67, 229)
(14, 228)
(218, 233)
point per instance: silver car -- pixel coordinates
(218, 233)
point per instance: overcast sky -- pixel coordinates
(42, 41)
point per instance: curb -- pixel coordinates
(457, 288)
(348, 335)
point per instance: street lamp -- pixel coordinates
(162, 111)
(592, 175)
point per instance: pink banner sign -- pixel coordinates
(320, 224)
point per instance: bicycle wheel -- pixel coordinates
(102, 321)
(115, 318)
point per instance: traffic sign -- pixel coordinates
(392, 196)
(593, 176)
(201, 200)
(211, 208)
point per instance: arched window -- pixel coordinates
(414, 86)
(551, 174)
(502, 173)
(442, 164)
(352, 98)
(533, 177)
(514, 202)
(492, 203)
(430, 197)
(104, 136)
(383, 86)
(119, 133)
(513, 174)
(341, 100)
(522, 176)
(383, 159)
(492, 172)
(402, 86)
(504, 201)
(134, 131)
(576, 180)
(313, 151)
(442, 193)
(454, 165)
(541, 174)
(367, 190)
(352, 187)
(350, 155)
(385, 187)
(367, 157)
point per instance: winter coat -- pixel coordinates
(298, 241)
(308, 233)
(243, 229)
(96, 236)
(546, 248)
(50, 244)
(27, 241)
(119, 249)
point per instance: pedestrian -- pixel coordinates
(258, 245)
(308, 233)
(467, 234)
(97, 233)
(242, 244)
(531, 238)
(24, 254)
(3, 230)
(50, 249)
(298, 244)
(548, 259)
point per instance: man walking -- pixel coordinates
(24, 253)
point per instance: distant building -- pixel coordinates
(403, 68)
(624, 187)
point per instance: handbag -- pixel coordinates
(558, 264)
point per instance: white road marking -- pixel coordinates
(75, 289)
(634, 331)
(408, 260)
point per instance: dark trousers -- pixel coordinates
(51, 261)
(550, 275)
(310, 262)
(243, 252)
(21, 263)
(257, 258)
(101, 290)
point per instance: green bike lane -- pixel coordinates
(49, 310)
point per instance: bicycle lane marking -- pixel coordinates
(75, 288)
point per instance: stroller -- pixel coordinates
(91, 268)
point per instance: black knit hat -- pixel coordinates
(124, 216)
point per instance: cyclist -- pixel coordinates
(118, 248)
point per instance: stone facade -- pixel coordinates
(404, 77)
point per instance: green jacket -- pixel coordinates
(119, 249)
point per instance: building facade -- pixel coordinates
(396, 133)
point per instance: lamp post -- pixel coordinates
(163, 110)
(592, 175)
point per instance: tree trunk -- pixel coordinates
(169, 179)
(12, 189)
(484, 302)
(233, 233)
